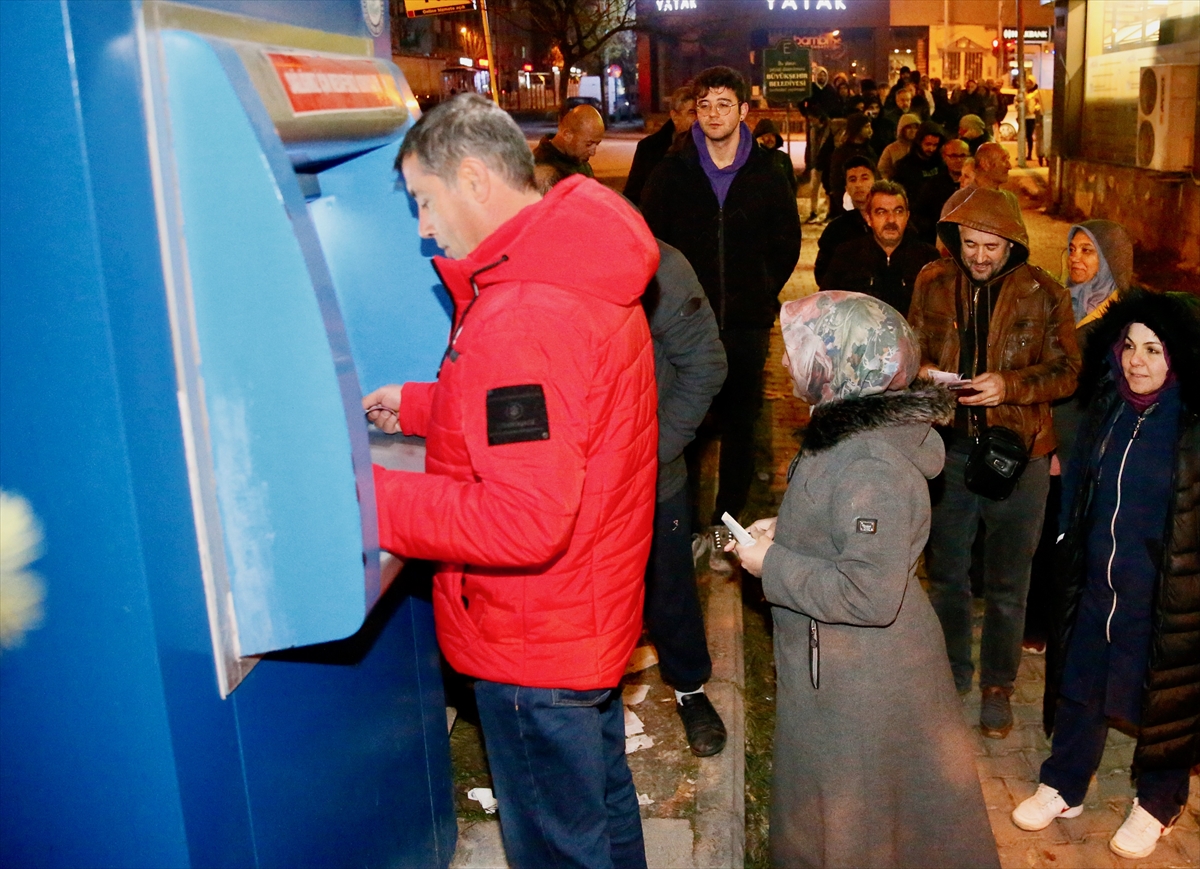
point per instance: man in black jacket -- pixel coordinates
(927, 204)
(721, 202)
(858, 177)
(922, 162)
(654, 147)
(884, 264)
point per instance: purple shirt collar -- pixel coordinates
(722, 179)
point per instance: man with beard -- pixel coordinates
(927, 205)
(922, 162)
(884, 264)
(983, 313)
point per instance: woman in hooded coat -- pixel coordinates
(1124, 645)
(874, 764)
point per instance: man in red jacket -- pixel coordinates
(538, 495)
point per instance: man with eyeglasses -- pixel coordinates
(719, 199)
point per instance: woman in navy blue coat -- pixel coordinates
(1125, 649)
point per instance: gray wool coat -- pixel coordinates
(876, 767)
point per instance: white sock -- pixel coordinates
(679, 695)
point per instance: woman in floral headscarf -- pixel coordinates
(874, 764)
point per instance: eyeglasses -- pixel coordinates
(720, 107)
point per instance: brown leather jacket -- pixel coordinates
(1031, 341)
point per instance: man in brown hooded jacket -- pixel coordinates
(1006, 326)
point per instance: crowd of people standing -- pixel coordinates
(559, 503)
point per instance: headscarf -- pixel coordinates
(846, 345)
(1110, 241)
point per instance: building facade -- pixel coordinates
(1126, 140)
(955, 40)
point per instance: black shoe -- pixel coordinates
(995, 712)
(705, 730)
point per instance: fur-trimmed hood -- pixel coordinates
(1173, 317)
(834, 421)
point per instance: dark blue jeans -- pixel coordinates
(1013, 527)
(673, 616)
(558, 765)
(736, 408)
(1077, 747)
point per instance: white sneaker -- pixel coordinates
(1044, 806)
(1138, 836)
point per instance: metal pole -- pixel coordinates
(491, 57)
(1021, 84)
(945, 39)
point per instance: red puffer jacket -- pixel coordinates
(543, 535)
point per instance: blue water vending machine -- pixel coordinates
(206, 260)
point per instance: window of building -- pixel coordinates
(974, 65)
(953, 71)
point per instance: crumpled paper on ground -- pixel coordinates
(485, 798)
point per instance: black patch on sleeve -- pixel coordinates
(516, 414)
(866, 526)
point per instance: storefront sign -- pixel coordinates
(674, 5)
(416, 8)
(806, 4)
(325, 84)
(1032, 34)
(825, 40)
(786, 73)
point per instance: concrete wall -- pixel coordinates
(1160, 210)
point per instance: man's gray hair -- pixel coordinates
(681, 97)
(888, 188)
(469, 126)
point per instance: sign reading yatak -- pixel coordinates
(806, 4)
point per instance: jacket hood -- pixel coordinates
(924, 402)
(987, 211)
(907, 120)
(581, 236)
(1173, 317)
(766, 125)
(1114, 245)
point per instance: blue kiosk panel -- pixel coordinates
(116, 746)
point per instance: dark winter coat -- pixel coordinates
(545, 154)
(1169, 731)
(744, 252)
(689, 361)
(646, 156)
(1031, 335)
(914, 170)
(781, 159)
(926, 206)
(876, 766)
(848, 226)
(862, 266)
(837, 164)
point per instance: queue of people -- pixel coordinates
(574, 385)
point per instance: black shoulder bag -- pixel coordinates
(999, 455)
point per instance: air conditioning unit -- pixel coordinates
(1166, 117)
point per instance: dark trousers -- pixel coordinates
(557, 758)
(1030, 127)
(1012, 530)
(734, 411)
(1078, 745)
(673, 615)
(1041, 576)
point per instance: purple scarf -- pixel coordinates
(1133, 399)
(722, 179)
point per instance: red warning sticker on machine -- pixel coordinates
(326, 84)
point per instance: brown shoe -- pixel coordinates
(995, 713)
